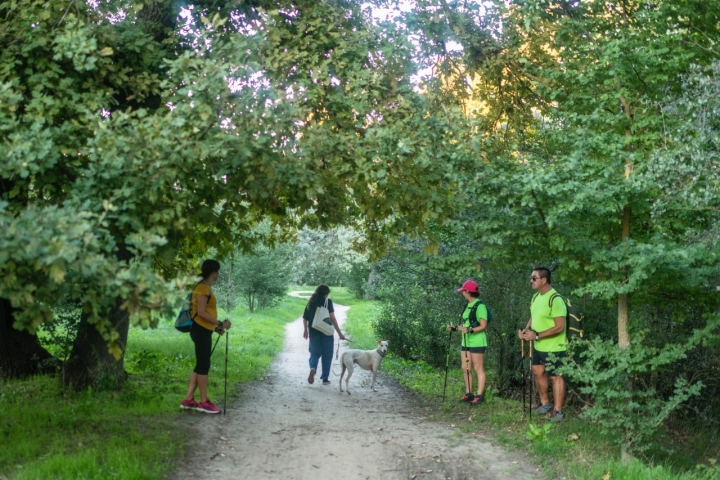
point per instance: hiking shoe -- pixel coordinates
(326, 382)
(478, 400)
(468, 397)
(541, 410)
(207, 407)
(311, 377)
(189, 404)
(555, 416)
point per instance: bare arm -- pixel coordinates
(480, 328)
(559, 327)
(335, 324)
(528, 334)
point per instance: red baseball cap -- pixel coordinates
(468, 286)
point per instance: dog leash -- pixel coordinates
(337, 350)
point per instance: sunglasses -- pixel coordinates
(532, 279)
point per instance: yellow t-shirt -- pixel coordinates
(211, 307)
(543, 318)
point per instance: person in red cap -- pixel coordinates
(474, 341)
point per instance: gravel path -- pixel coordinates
(272, 431)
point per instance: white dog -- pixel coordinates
(366, 359)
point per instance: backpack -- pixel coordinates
(184, 320)
(573, 319)
(473, 314)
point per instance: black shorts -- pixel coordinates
(473, 349)
(541, 358)
(202, 338)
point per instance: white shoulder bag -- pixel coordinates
(321, 320)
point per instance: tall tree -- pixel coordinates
(131, 139)
(569, 101)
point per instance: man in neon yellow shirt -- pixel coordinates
(547, 329)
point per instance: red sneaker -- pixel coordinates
(207, 407)
(189, 404)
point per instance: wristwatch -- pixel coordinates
(537, 336)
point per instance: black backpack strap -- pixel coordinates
(474, 322)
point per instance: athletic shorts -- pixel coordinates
(541, 358)
(473, 349)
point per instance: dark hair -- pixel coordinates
(317, 298)
(543, 273)
(474, 294)
(209, 267)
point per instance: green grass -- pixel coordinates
(341, 296)
(49, 432)
(572, 449)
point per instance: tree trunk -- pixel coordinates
(21, 354)
(623, 301)
(624, 335)
(251, 302)
(372, 278)
(90, 364)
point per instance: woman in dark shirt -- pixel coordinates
(321, 345)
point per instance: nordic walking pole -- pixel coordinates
(227, 340)
(531, 380)
(468, 375)
(447, 364)
(522, 370)
(216, 342)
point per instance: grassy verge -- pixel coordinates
(572, 449)
(49, 432)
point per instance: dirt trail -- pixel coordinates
(273, 432)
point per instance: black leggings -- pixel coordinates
(202, 338)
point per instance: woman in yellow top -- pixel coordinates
(205, 322)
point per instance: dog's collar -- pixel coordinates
(380, 352)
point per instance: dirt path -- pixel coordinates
(273, 432)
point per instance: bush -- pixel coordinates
(627, 407)
(356, 279)
(258, 281)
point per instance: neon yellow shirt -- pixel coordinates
(478, 339)
(543, 318)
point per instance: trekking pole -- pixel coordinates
(467, 364)
(216, 342)
(530, 380)
(227, 340)
(447, 364)
(522, 370)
